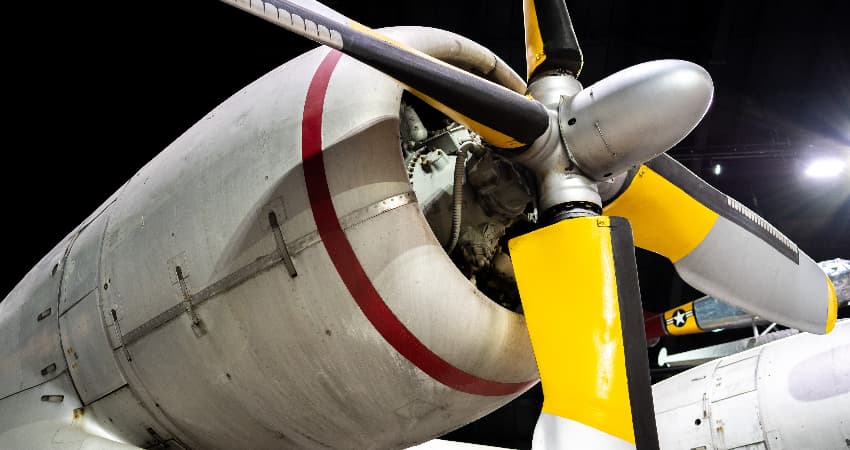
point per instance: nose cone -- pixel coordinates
(634, 115)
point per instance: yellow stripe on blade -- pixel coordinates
(665, 219)
(567, 282)
(490, 135)
(534, 53)
(832, 308)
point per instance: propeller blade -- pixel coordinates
(578, 282)
(711, 314)
(723, 249)
(550, 41)
(502, 117)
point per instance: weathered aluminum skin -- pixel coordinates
(30, 351)
(790, 394)
(232, 351)
(29, 422)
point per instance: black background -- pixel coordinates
(93, 92)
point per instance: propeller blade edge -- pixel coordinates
(724, 249)
(503, 117)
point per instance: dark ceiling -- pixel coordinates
(94, 93)
(94, 90)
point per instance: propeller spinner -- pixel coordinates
(577, 276)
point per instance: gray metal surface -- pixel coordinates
(261, 264)
(87, 350)
(735, 377)
(355, 217)
(121, 414)
(758, 291)
(30, 351)
(793, 393)
(557, 180)
(712, 314)
(284, 361)
(29, 409)
(736, 421)
(21, 413)
(28, 420)
(494, 196)
(501, 189)
(80, 276)
(411, 127)
(629, 117)
(805, 401)
(434, 192)
(549, 89)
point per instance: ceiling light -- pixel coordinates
(825, 168)
(717, 169)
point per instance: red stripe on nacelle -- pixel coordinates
(348, 266)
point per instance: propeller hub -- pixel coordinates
(600, 132)
(550, 87)
(559, 182)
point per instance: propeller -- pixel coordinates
(722, 248)
(550, 41)
(502, 117)
(710, 314)
(577, 276)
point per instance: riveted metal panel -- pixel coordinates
(280, 351)
(30, 419)
(736, 378)
(81, 267)
(283, 355)
(87, 349)
(804, 390)
(10, 367)
(685, 427)
(801, 398)
(30, 351)
(676, 392)
(736, 422)
(121, 414)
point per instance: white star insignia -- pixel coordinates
(680, 318)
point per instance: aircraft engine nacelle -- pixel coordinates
(268, 280)
(793, 393)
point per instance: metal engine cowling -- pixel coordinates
(371, 338)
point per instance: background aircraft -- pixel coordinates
(791, 393)
(97, 148)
